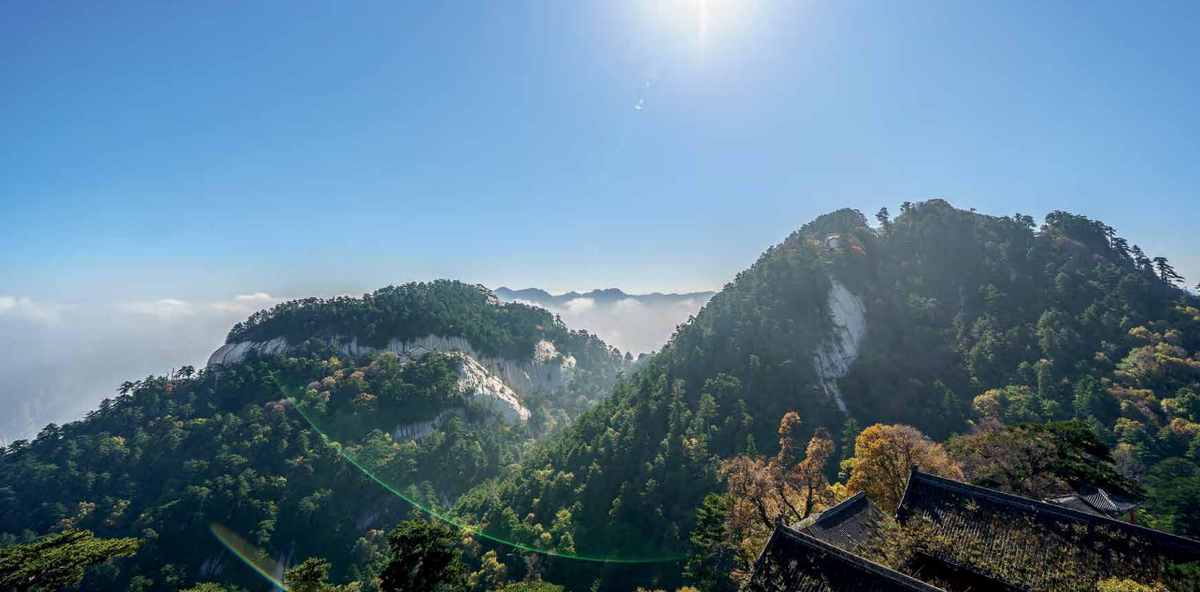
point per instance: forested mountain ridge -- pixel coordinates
(1062, 340)
(170, 456)
(444, 308)
(510, 352)
(993, 302)
(971, 321)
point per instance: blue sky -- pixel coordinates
(195, 150)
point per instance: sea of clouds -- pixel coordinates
(58, 360)
(632, 323)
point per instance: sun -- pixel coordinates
(703, 25)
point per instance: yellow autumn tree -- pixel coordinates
(884, 456)
(810, 473)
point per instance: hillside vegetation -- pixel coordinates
(973, 321)
(1032, 359)
(170, 456)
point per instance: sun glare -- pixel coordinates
(700, 24)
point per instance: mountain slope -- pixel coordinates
(509, 351)
(945, 319)
(628, 473)
(169, 456)
(924, 321)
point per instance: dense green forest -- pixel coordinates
(1032, 359)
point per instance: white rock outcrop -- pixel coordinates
(232, 353)
(284, 562)
(833, 357)
(419, 429)
(486, 388)
(547, 372)
(494, 381)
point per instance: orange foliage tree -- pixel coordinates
(767, 487)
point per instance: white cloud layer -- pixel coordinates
(245, 304)
(167, 308)
(26, 308)
(634, 324)
(58, 360)
(580, 305)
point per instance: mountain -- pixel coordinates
(307, 423)
(605, 296)
(942, 319)
(431, 387)
(636, 323)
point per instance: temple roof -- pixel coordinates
(1029, 543)
(850, 524)
(971, 537)
(796, 562)
(1094, 500)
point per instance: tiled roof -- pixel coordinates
(1095, 500)
(1075, 503)
(1031, 544)
(1105, 501)
(848, 525)
(795, 562)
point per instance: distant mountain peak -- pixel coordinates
(539, 295)
(507, 293)
(632, 322)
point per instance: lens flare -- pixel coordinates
(472, 530)
(254, 558)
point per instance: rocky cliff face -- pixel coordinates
(232, 353)
(497, 382)
(22, 422)
(419, 429)
(488, 389)
(832, 359)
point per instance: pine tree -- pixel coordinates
(425, 557)
(1166, 273)
(885, 222)
(1109, 232)
(1140, 258)
(850, 432)
(1121, 247)
(712, 556)
(58, 561)
(310, 576)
